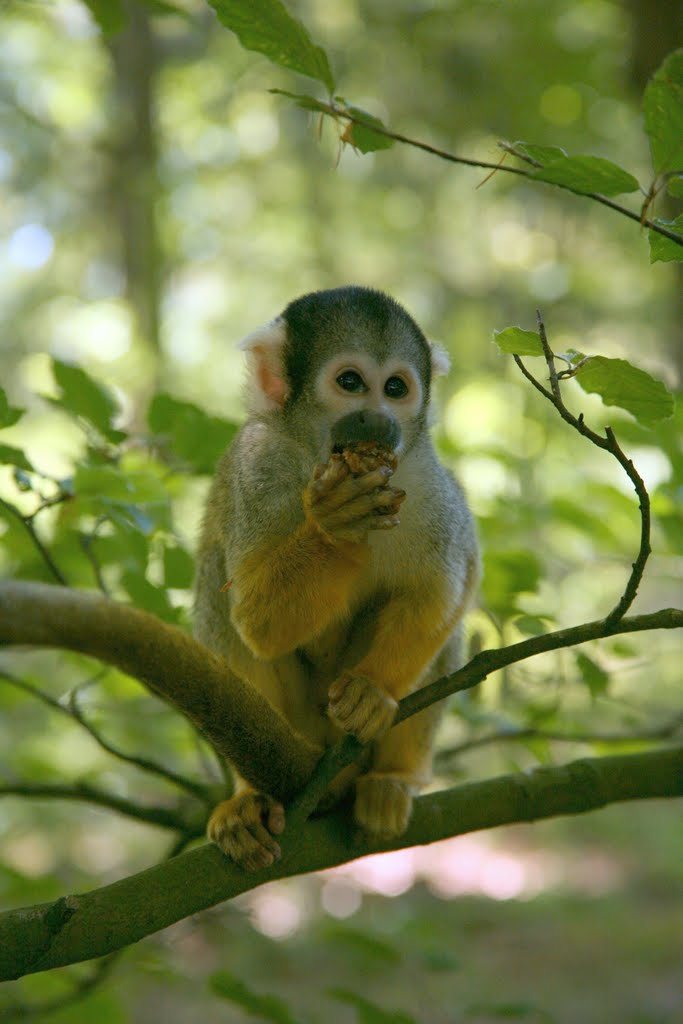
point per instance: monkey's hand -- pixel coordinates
(244, 826)
(345, 507)
(383, 805)
(358, 706)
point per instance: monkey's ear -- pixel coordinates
(267, 386)
(441, 361)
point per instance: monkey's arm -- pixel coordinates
(286, 593)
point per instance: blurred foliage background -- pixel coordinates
(158, 203)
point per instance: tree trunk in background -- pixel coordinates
(134, 184)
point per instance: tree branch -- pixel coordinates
(235, 718)
(338, 112)
(77, 928)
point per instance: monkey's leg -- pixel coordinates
(244, 826)
(411, 630)
(401, 766)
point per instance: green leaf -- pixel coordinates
(370, 1013)
(267, 27)
(193, 435)
(533, 625)
(519, 342)
(508, 573)
(8, 414)
(663, 110)
(541, 154)
(618, 383)
(369, 947)
(82, 396)
(139, 499)
(14, 457)
(178, 568)
(593, 675)
(362, 136)
(145, 595)
(586, 174)
(269, 1008)
(675, 186)
(663, 249)
(303, 100)
(110, 15)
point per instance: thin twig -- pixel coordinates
(88, 793)
(336, 111)
(143, 763)
(609, 444)
(661, 732)
(27, 523)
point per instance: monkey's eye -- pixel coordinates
(351, 381)
(395, 387)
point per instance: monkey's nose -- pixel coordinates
(366, 425)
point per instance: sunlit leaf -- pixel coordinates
(8, 414)
(268, 1008)
(663, 249)
(11, 456)
(663, 110)
(593, 675)
(541, 154)
(85, 397)
(363, 136)
(585, 174)
(621, 384)
(267, 27)
(519, 342)
(191, 434)
(110, 15)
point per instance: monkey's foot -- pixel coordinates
(244, 826)
(359, 707)
(383, 805)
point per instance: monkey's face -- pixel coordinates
(368, 400)
(344, 365)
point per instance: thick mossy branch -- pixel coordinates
(236, 719)
(77, 928)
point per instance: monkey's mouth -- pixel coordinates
(365, 456)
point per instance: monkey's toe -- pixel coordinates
(358, 706)
(383, 805)
(243, 827)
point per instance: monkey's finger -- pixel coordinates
(347, 488)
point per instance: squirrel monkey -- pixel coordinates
(336, 606)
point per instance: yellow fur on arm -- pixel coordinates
(285, 596)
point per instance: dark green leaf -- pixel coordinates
(14, 457)
(618, 383)
(269, 1008)
(82, 396)
(507, 574)
(267, 27)
(663, 249)
(145, 595)
(370, 1013)
(303, 101)
(8, 414)
(369, 947)
(519, 342)
(138, 499)
(541, 154)
(663, 109)
(593, 675)
(193, 435)
(363, 136)
(110, 15)
(585, 174)
(178, 568)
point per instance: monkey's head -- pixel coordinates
(347, 365)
